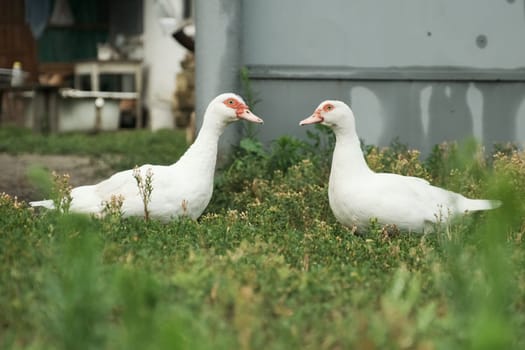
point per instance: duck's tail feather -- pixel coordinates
(48, 203)
(480, 204)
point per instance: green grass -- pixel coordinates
(120, 149)
(267, 266)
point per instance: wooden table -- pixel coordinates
(45, 105)
(95, 68)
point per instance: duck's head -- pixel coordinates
(335, 114)
(231, 107)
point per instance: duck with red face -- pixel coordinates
(357, 194)
(183, 188)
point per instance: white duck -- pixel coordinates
(357, 194)
(183, 188)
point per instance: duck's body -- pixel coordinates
(357, 194)
(183, 188)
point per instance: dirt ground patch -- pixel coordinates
(13, 173)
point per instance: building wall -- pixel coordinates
(16, 41)
(418, 113)
(218, 49)
(419, 71)
(384, 33)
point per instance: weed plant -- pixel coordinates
(145, 187)
(268, 267)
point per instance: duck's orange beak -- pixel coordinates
(243, 112)
(313, 119)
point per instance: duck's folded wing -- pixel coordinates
(411, 198)
(124, 183)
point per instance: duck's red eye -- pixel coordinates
(231, 102)
(328, 107)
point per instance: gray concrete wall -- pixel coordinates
(419, 113)
(420, 71)
(384, 33)
(218, 57)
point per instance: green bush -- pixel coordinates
(268, 266)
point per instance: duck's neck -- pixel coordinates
(348, 160)
(202, 154)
